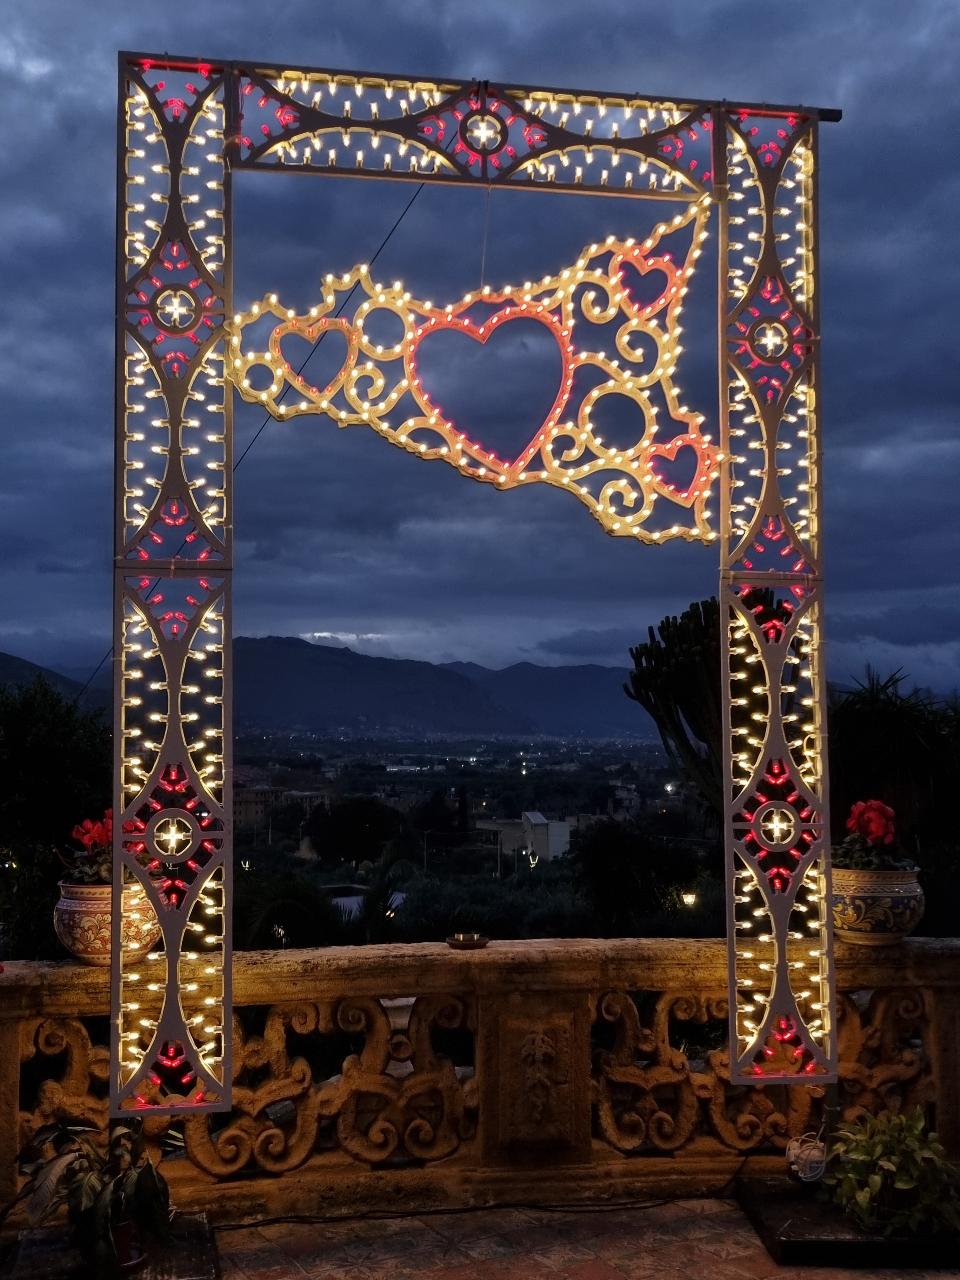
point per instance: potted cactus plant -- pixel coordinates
(82, 916)
(877, 898)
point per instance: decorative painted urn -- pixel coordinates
(876, 906)
(876, 897)
(82, 921)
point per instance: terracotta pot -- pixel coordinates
(82, 921)
(876, 908)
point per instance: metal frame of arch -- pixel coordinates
(185, 126)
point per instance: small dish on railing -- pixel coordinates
(467, 941)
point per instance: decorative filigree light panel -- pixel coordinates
(613, 312)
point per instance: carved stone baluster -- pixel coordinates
(534, 1067)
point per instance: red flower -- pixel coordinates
(95, 835)
(874, 821)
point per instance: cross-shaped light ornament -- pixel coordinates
(771, 338)
(778, 826)
(173, 836)
(175, 307)
(483, 133)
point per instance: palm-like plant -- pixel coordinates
(382, 879)
(676, 679)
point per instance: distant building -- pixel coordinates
(627, 800)
(308, 800)
(531, 835)
(400, 797)
(252, 805)
(545, 839)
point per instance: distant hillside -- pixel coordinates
(285, 683)
(19, 671)
(586, 699)
(281, 682)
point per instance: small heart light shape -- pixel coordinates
(657, 285)
(312, 333)
(706, 458)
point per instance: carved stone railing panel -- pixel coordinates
(60, 1071)
(886, 1049)
(389, 1096)
(651, 1094)
(531, 1070)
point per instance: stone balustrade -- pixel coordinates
(416, 1076)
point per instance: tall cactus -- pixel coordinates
(676, 679)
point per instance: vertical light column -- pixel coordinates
(776, 815)
(170, 1044)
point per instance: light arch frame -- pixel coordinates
(185, 125)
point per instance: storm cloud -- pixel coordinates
(337, 534)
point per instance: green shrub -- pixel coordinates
(892, 1177)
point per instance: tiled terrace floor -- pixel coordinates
(692, 1239)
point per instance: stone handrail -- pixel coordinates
(413, 1075)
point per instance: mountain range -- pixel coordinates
(285, 684)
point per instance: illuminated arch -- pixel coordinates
(186, 125)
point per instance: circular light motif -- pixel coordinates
(484, 132)
(172, 836)
(176, 309)
(778, 826)
(770, 339)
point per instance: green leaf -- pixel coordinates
(103, 1212)
(92, 1152)
(12, 1204)
(42, 1136)
(90, 1188)
(904, 1184)
(47, 1185)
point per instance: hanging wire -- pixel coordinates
(486, 236)
(309, 356)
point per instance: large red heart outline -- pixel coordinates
(438, 321)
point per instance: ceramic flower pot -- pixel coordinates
(82, 921)
(129, 1250)
(877, 907)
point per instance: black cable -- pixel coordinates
(309, 356)
(486, 236)
(376, 1215)
(730, 1183)
(339, 310)
(92, 676)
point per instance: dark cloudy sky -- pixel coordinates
(339, 534)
